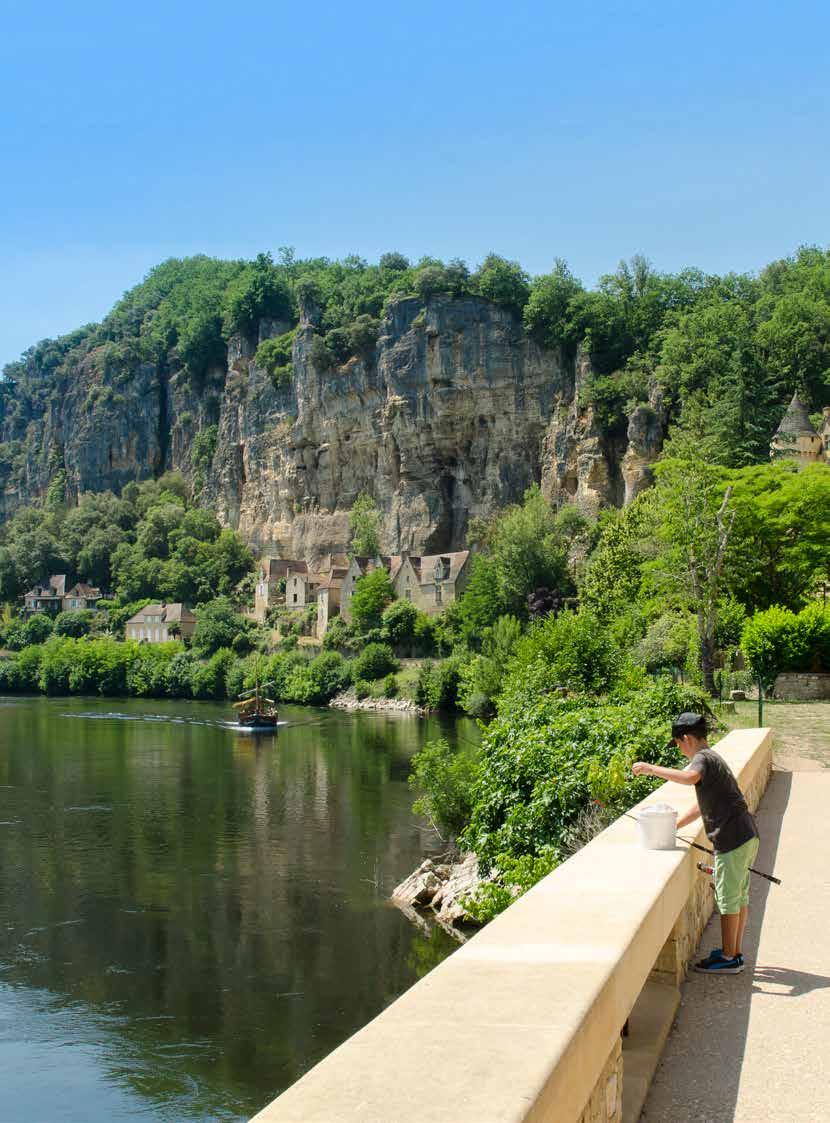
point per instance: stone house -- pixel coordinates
(81, 596)
(46, 598)
(329, 598)
(430, 581)
(269, 589)
(297, 586)
(159, 623)
(796, 437)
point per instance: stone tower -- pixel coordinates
(796, 437)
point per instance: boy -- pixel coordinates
(729, 827)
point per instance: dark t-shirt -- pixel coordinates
(723, 808)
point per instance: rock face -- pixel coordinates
(455, 414)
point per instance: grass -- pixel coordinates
(802, 729)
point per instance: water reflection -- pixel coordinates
(191, 916)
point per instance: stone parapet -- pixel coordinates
(523, 1023)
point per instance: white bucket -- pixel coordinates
(658, 826)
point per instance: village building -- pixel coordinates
(159, 623)
(54, 598)
(796, 437)
(81, 596)
(291, 583)
(329, 598)
(46, 598)
(430, 581)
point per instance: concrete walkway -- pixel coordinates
(753, 1048)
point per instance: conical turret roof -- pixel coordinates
(797, 419)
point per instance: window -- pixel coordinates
(439, 595)
(295, 598)
(408, 593)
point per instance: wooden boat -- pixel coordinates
(255, 711)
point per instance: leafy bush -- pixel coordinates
(374, 661)
(503, 282)
(437, 685)
(317, 681)
(778, 640)
(666, 643)
(542, 765)
(320, 355)
(479, 683)
(573, 650)
(364, 523)
(446, 779)
(511, 878)
(390, 687)
(274, 355)
(362, 689)
(75, 623)
(259, 291)
(339, 635)
(398, 622)
(34, 629)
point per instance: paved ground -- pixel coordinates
(753, 1048)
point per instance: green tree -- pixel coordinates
(375, 661)
(261, 290)
(364, 523)
(399, 621)
(547, 312)
(694, 521)
(446, 779)
(504, 282)
(372, 593)
(217, 626)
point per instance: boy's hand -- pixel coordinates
(641, 768)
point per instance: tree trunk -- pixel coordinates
(707, 663)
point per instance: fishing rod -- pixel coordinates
(706, 850)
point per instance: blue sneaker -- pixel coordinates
(715, 953)
(721, 966)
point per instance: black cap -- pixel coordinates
(688, 723)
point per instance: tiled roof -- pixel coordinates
(424, 565)
(82, 590)
(279, 567)
(170, 613)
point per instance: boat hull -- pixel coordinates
(265, 722)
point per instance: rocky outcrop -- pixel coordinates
(440, 888)
(454, 414)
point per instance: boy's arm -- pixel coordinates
(677, 775)
(689, 817)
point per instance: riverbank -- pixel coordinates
(350, 702)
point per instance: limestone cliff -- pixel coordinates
(455, 413)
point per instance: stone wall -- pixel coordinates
(523, 1022)
(605, 1104)
(807, 687)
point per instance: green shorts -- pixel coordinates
(731, 877)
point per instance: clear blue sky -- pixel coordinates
(696, 134)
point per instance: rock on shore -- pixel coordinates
(349, 701)
(440, 887)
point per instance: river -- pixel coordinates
(192, 916)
